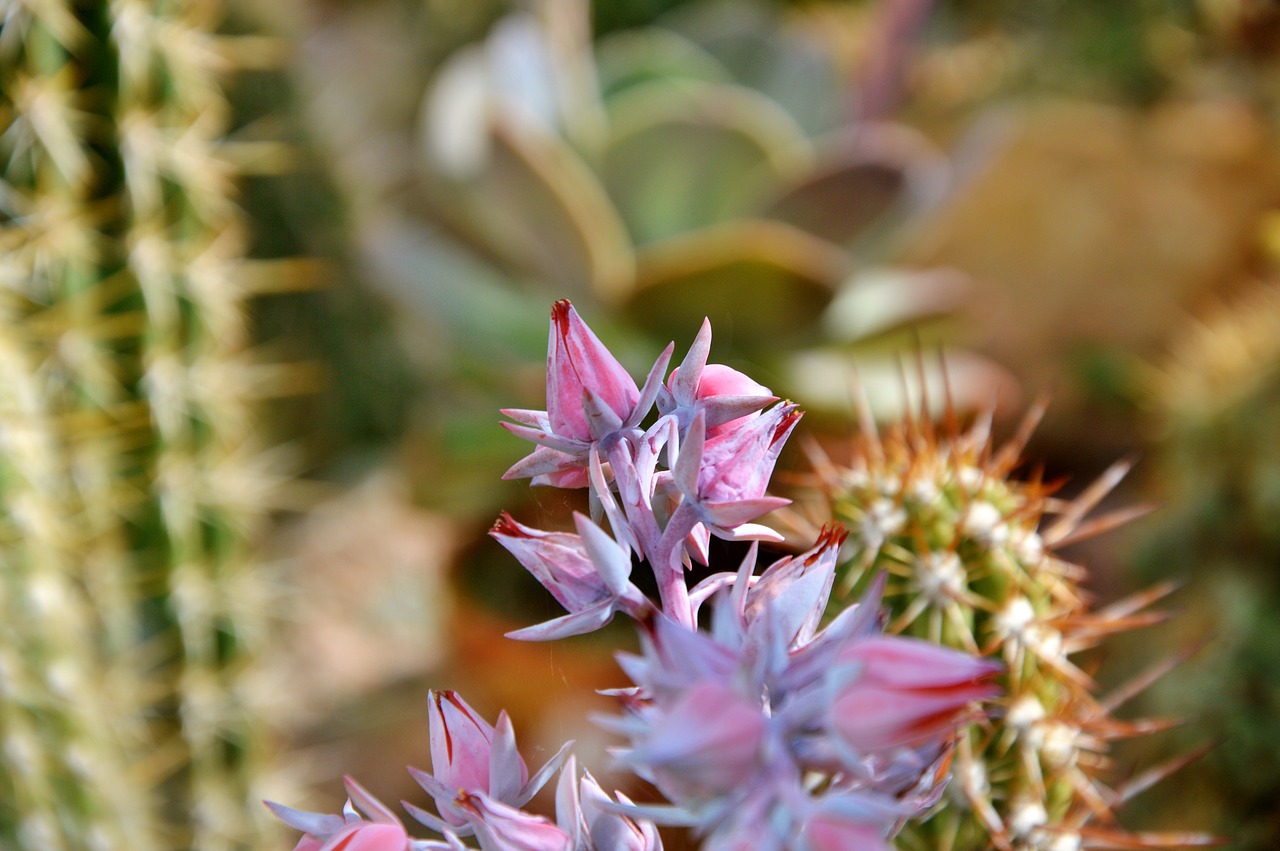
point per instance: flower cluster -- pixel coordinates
(768, 729)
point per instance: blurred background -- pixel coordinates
(270, 270)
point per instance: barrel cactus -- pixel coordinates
(973, 553)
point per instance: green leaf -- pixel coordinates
(682, 156)
(537, 207)
(635, 57)
(762, 284)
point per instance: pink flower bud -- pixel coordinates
(829, 832)
(462, 753)
(907, 691)
(578, 362)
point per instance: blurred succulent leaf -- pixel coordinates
(461, 303)
(685, 156)
(537, 206)
(652, 54)
(882, 300)
(860, 176)
(761, 283)
(832, 380)
(510, 73)
(753, 42)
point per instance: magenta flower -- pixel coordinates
(903, 691)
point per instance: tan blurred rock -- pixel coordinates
(1093, 232)
(369, 599)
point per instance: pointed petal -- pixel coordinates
(611, 561)
(684, 382)
(652, 384)
(507, 771)
(543, 774)
(579, 623)
(369, 805)
(316, 824)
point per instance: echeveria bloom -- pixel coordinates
(591, 819)
(360, 837)
(469, 756)
(723, 479)
(588, 573)
(351, 831)
(828, 832)
(706, 745)
(499, 827)
(578, 364)
(722, 394)
(590, 397)
(902, 691)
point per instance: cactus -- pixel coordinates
(972, 551)
(131, 480)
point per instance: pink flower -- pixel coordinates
(588, 573)
(350, 831)
(590, 397)
(461, 744)
(724, 395)
(499, 827)
(707, 745)
(724, 478)
(589, 817)
(829, 832)
(904, 691)
(578, 364)
(366, 836)
(468, 756)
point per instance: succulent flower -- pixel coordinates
(767, 730)
(471, 758)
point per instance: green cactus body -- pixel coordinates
(968, 551)
(130, 482)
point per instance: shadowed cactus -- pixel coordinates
(132, 481)
(973, 554)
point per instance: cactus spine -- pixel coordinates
(971, 552)
(131, 485)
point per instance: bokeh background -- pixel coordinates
(1030, 198)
